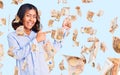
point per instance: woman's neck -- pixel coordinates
(27, 31)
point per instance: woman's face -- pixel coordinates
(29, 19)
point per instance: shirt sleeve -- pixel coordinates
(58, 44)
(20, 52)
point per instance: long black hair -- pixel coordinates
(21, 13)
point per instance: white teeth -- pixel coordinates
(30, 24)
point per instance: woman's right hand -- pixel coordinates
(41, 36)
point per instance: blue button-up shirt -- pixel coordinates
(35, 60)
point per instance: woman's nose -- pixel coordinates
(31, 18)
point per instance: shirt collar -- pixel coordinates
(31, 35)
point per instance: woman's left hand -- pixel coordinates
(41, 36)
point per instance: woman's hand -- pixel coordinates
(41, 36)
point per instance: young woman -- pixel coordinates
(26, 47)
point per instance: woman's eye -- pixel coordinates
(27, 15)
(34, 16)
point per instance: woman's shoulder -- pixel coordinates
(11, 34)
